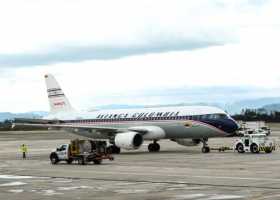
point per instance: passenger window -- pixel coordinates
(204, 116)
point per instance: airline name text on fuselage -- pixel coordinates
(138, 115)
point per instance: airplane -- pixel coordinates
(128, 128)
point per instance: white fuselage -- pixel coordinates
(159, 123)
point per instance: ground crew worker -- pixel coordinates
(23, 149)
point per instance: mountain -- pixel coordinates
(8, 116)
(272, 107)
(237, 107)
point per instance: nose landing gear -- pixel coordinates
(205, 147)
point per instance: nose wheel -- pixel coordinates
(154, 147)
(205, 147)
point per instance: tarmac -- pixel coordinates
(176, 172)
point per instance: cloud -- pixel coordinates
(46, 32)
(146, 52)
(220, 73)
(83, 53)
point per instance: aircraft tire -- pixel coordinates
(205, 149)
(153, 147)
(157, 147)
(113, 149)
(117, 150)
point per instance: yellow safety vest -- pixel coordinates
(23, 149)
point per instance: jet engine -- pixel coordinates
(129, 140)
(188, 142)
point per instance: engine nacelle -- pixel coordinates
(151, 132)
(129, 140)
(188, 142)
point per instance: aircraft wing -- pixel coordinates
(104, 129)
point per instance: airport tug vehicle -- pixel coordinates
(82, 151)
(254, 143)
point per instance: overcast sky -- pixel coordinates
(138, 52)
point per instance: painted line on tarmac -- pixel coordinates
(184, 176)
(237, 178)
(171, 182)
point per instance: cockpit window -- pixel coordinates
(222, 116)
(215, 116)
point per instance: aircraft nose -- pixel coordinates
(229, 125)
(232, 126)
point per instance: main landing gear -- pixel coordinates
(154, 147)
(113, 149)
(205, 147)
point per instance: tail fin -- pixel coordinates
(57, 99)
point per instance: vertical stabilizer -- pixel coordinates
(57, 99)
